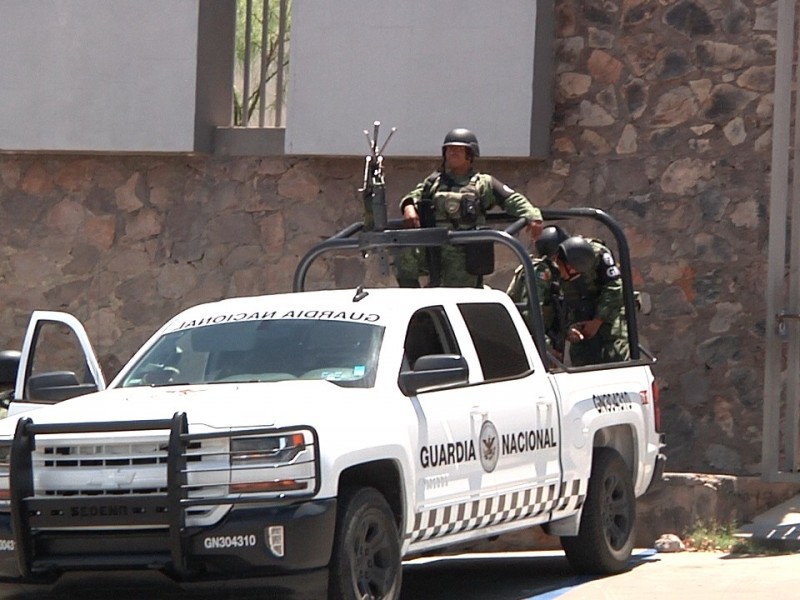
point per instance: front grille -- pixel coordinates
(152, 467)
(111, 455)
(124, 467)
(104, 455)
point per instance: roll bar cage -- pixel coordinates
(356, 237)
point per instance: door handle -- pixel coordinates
(477, 417)
(544, 409)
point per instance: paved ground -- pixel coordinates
(704, 575)
(546, 576)
(514, 576)
(778, 527)
(507, 576)
(698, 576)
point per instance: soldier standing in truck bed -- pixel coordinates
(457, 197)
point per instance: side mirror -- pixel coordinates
(57, 386)
(9, 365)
(434, 371)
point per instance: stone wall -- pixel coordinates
(664, 119)
(663, 116)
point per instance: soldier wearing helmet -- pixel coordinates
(461, 137)
(456, 196)
(548, 287)
(592, 288)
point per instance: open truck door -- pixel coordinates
(57, 362)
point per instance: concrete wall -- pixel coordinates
(115, 75)
(424, 67)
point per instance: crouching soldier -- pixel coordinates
(592, 288)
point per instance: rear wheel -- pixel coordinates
(366, 552)
(605, 539)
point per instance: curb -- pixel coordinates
(778, 527)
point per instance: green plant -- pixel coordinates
(711, 536)
(264, 60)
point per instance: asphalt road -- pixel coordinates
(514, 576)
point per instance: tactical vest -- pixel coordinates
(454, 205)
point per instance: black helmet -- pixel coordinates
(578, 253)
(551, 237)
(462, 137)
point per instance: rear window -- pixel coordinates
(496, 340)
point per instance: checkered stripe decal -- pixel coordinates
(496, 510)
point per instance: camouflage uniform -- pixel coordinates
(457, 203)
(551, 300)
(598, 294)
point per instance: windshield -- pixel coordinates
(343, 352)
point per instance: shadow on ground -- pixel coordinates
(497, 576)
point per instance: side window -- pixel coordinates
(58, 364)
(429, 332)
(496, 340)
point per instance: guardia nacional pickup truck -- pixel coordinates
(320, 437)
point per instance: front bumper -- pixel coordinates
(59, 528)
(260, 540)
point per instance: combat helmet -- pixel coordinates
(551, 237)
(578, 253)
(462, 137)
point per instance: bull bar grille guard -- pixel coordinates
(31, 513)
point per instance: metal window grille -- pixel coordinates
(262, 58)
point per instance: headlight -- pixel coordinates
(270, 464)
(270, 449)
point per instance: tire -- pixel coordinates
(366, 549)
(604, 542)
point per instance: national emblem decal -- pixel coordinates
(489, 448)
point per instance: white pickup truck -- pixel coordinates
(320, 437)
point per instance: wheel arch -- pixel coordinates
(620, 438)
(385, 476)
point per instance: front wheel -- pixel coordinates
(604, 542)
(366, 552)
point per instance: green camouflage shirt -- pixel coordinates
(597, 294)
(448, 195)
(545, 275)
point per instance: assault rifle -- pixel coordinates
(373, 189)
